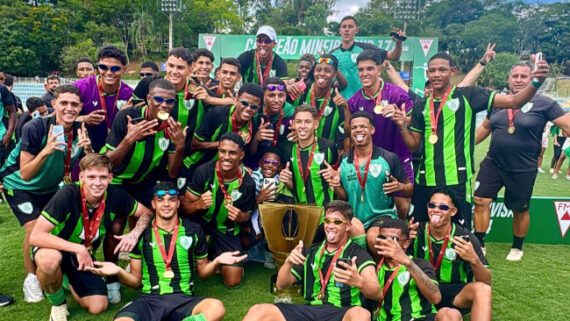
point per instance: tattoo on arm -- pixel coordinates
(423, 278)
(143, 223)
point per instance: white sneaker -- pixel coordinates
(59, 313)
(114, 292)
(32, 289)
(568, 177)
(515, 255)
(484, 250)
(540, 170)
(554, 176)
(551, 171)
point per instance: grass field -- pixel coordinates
(534, 289)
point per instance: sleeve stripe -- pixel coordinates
(365, 264)
(194, 192)
(50, 218)
(295, 274)
(491, 100)
(415, 129)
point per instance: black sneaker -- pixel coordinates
(5, 300)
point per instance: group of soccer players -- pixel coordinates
(185, 159)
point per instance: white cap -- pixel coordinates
(268, 31)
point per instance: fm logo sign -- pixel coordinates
(563, 215)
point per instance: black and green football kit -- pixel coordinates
(28, 197)
(282, 142)
(449, 162)
(374, 203)
(403, 300)
(249, 67)
(167, 297)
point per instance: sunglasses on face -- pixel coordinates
(327, 61)
(264, 40)
(335, 221)
(171, 192)
(442, 207)
(246, 104)
(271, 161)
(147, 74)
(160, 100)
(395, 238)
(275, 87)
(114, 68)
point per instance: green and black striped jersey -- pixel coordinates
(308, 273)
(403, 300)
(453, 268)
(190, 246)
(450, 160)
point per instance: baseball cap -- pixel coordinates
(268, 31)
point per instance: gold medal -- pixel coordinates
(432, 139)
(378, 109)
(511, 130)
(244, 135)
(67, 179)
(192, 88)
(162, 115)
(228, 201)
(168, 274)
(89, 249)
(320, 296)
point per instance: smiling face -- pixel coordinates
(361, 131)
(273, 100)
(336, 234)
(95, 181)
(324, 74)
(109, 77)
(246, 113)
(439, 73)
(303, 69)
(229, 155)
(369, 73)
(155, 106)
(177, 71)
(202, 67)
(84, 70)
(229, 76)
(67, 107)
(437, 216)
(166, 206)
(348, 30)
(519, 78)
(305, 125)
(270, 165)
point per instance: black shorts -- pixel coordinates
(299, 312)
(448, 293)
(223, 242)
(25, 205)
(83, 283)
(462, 194)
(152, 307)
(518, 186)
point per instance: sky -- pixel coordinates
(346, 8)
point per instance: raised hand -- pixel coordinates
(489, 54)
(104, 268)
(413, 228)
(392, 186)
(176, 133)
(296, 256)
(347, 274)
(206, 200)
(138, 131)
(330, 175)
(399, 115)
(83, 139)
(94, 118)
(52, 145)
(230, 258)
(264, 132)
(339, 100)
(465, 250)
(286, 176)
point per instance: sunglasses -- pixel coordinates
(395, 238)
(328, 61)
(264, 40)
(148, 74)
(442, 207)
(246, 104)
(271, 161)
(160, 100)
(171, 192)
(336, 221)
(114, 68)
(275, 87)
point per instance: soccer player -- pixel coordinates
(7, 107)
(202, 66)
(141, 137)
(71, 228)
(149, 69)
(258, 64)
(512, 157)
(36, 108)
(35, 168)
(84, 68)
(104, 95)
(371, 98)
(164, 261)
(456, 256)
(222, 197)
(446, 124)
(332, 286)
(409, 285)
(349, 49)
(52, 82)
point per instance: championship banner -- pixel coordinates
(549, 221)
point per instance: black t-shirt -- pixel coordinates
(249, 70)
(22, 120)
(518, 152)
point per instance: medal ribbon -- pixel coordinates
(434, 118)
(388, 283)
(441, 251)
(356, 163)
(324, 281)
(104, 103)
(276, 134)
(221, 181)
(67, 160)
(91, 226)
(187, 95)
(378, 95)
(511, 114)
(166, 257)
(237, 130)
(262, 78)
(320, 110)
(305, 173)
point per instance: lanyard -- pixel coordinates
(362, 181)
(388, 283)
(221, 181)
(321, 110)
(91, 226)
(434, 118)
(511, 114)
(166, 257)
(276, 134)
(376, 97)
(305, 172)
(262, 78)
(104, 103)
(67, 160)
(441, 251)
(325, 280)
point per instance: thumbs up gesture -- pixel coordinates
(296, 256)
(264, 132)
(286, 176)
(339, 100)
(330, 175)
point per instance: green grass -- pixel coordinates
(534, 289)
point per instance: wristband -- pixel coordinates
(535, 83)
(482, 63)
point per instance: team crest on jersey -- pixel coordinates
(450, 254)
(404, 278)
(353, 57)
(121, 104)
(272, 73)
(26, 208)
(341, 129)
(375, 170)
(281, 129)
(186, 242)
(180, 182)
(235, 194)
(163, 143)
(82, 235)
(453, 104)
(527, 107)
(189, 103)
(328, 111)
(319, 158)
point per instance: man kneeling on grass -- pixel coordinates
(334, 273)
(163, 261)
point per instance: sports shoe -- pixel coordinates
(551, 171)
(5, 300)
(554, 176)
(484, 250)
(515, 255)
(114, 292)
(568, 177)
(59, 313)
(32, 289)
(540, 170)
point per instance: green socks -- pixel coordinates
(57, 298)
(196, 317)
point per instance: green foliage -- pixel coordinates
(495, 74)
(71, 53)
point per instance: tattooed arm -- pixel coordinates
(424, 283)
(129, 240)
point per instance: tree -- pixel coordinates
(71, 53)
(495, 74)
